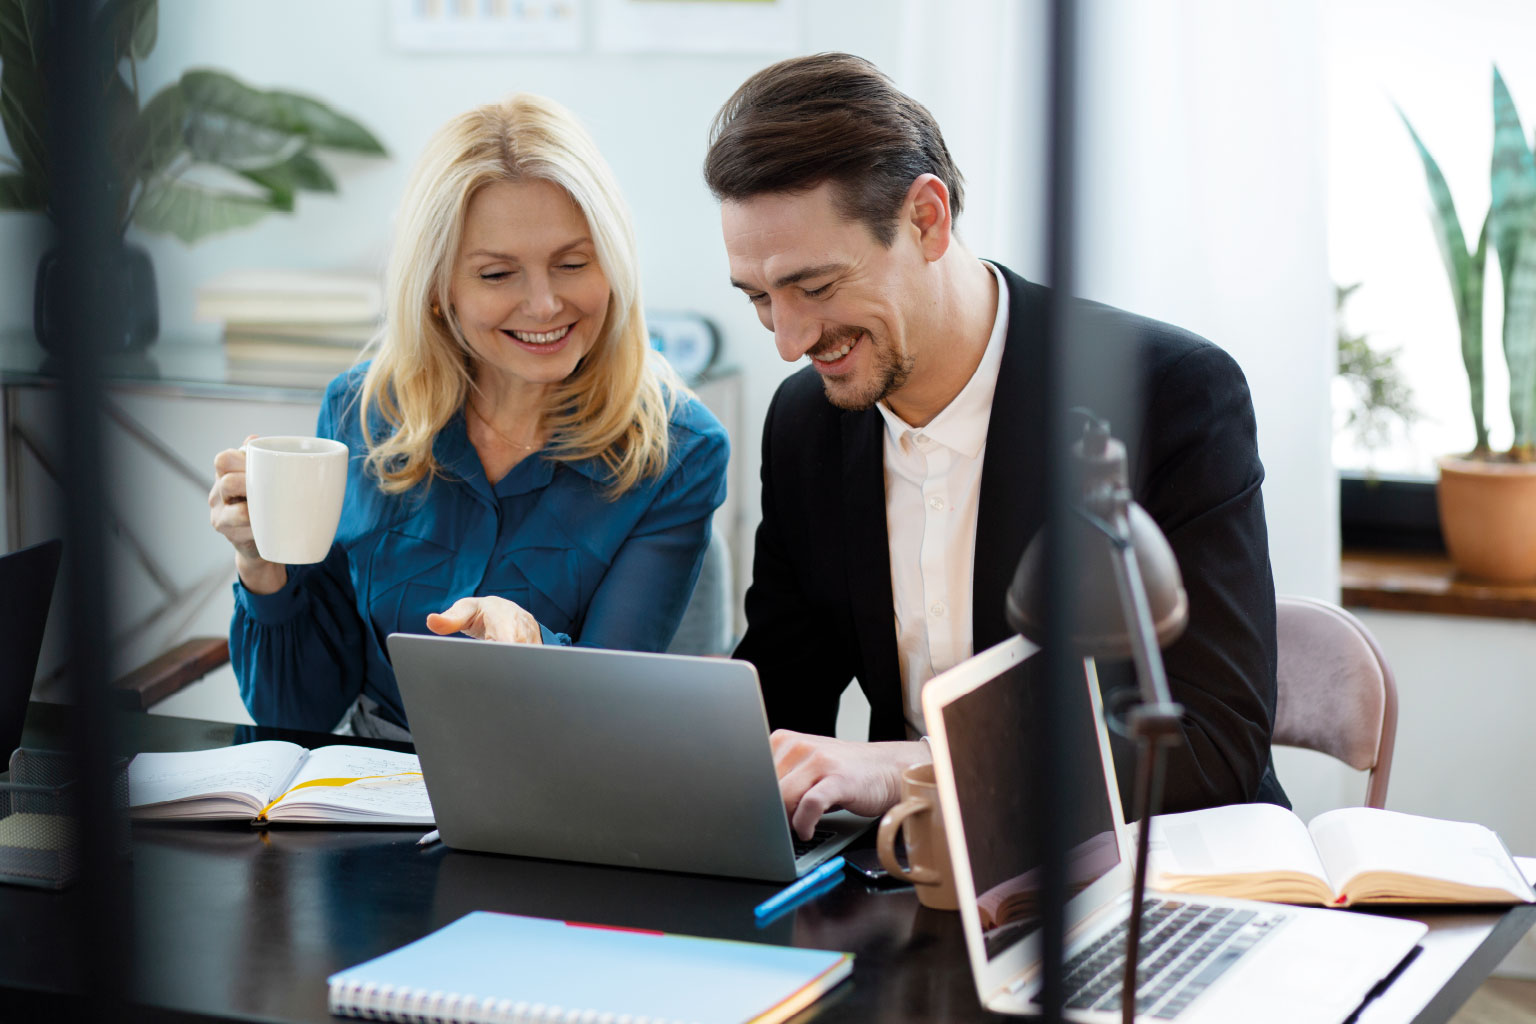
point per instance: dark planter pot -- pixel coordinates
(127, 278)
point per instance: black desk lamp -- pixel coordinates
(1130, 600)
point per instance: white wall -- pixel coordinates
(1203, 204)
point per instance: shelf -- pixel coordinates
(1420, 582)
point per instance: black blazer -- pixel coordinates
(820, 612)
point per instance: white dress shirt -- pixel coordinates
(932, 490)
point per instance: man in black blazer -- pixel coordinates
(901, 474)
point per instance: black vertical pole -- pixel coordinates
(1062, 669)
(81, 201)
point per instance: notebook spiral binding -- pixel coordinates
(371, 1001)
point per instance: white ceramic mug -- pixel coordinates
(293, 489)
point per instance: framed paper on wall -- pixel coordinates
(698, 26)
(487, 26)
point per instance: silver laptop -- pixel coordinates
(1203, 959)
(572, 753)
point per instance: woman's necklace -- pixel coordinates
(492, 428)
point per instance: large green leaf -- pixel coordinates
(1512, 179)
(302, 173)
(1465, 273)
(21, 30)
(20, 192)
(230, 124)
(192, 212)
(146, 31)
(326, 127)
(1448, 233)
(1471, 323)
(121, 111)
(23, 96)
(1512, 224)
(132, 26)
(1520, 338)
(157, 137)
(241, 127)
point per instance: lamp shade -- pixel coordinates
(1107, 522)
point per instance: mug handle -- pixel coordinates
(885, 845)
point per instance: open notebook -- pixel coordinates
(274, 781)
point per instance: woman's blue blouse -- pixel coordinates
(593, 571)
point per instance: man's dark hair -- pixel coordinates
(828, 117)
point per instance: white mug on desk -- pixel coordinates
(293, 490)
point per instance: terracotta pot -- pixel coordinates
(1488, 517)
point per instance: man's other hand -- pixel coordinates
(819, 774)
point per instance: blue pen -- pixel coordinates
(801, 888)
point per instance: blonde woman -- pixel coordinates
(521, 469)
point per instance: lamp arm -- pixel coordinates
(1154, 723)
(1137, 610)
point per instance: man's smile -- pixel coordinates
(831, 357)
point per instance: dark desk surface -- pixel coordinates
(232, 922)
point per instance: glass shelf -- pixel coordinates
(169, 366)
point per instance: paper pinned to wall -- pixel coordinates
(487, 26)
(699, 26)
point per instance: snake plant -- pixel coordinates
(205, 154)
(1510, 226)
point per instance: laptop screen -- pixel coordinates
(990, 732)
(26, 588)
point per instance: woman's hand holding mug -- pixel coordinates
(230, 515)
(278, 501)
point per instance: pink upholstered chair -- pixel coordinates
(1336, 692)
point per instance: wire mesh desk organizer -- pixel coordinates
(40, 818)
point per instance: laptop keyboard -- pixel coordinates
(805, 846)
(1185, 947)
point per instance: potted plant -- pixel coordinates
(1488, 499)
(1380, 402)
(205, 154)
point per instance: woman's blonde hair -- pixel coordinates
(616, 404)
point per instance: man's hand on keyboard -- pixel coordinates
(818, 774)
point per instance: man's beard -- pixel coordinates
(889, 373)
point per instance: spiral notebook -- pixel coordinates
(488, 968)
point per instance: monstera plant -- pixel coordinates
(1488, 499)
(203, 155)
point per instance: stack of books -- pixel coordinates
(291, 327)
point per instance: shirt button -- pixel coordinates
(936, 609)
(922, 440)
(936, 503)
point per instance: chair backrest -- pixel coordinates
(1336, 691)
(708, 625)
